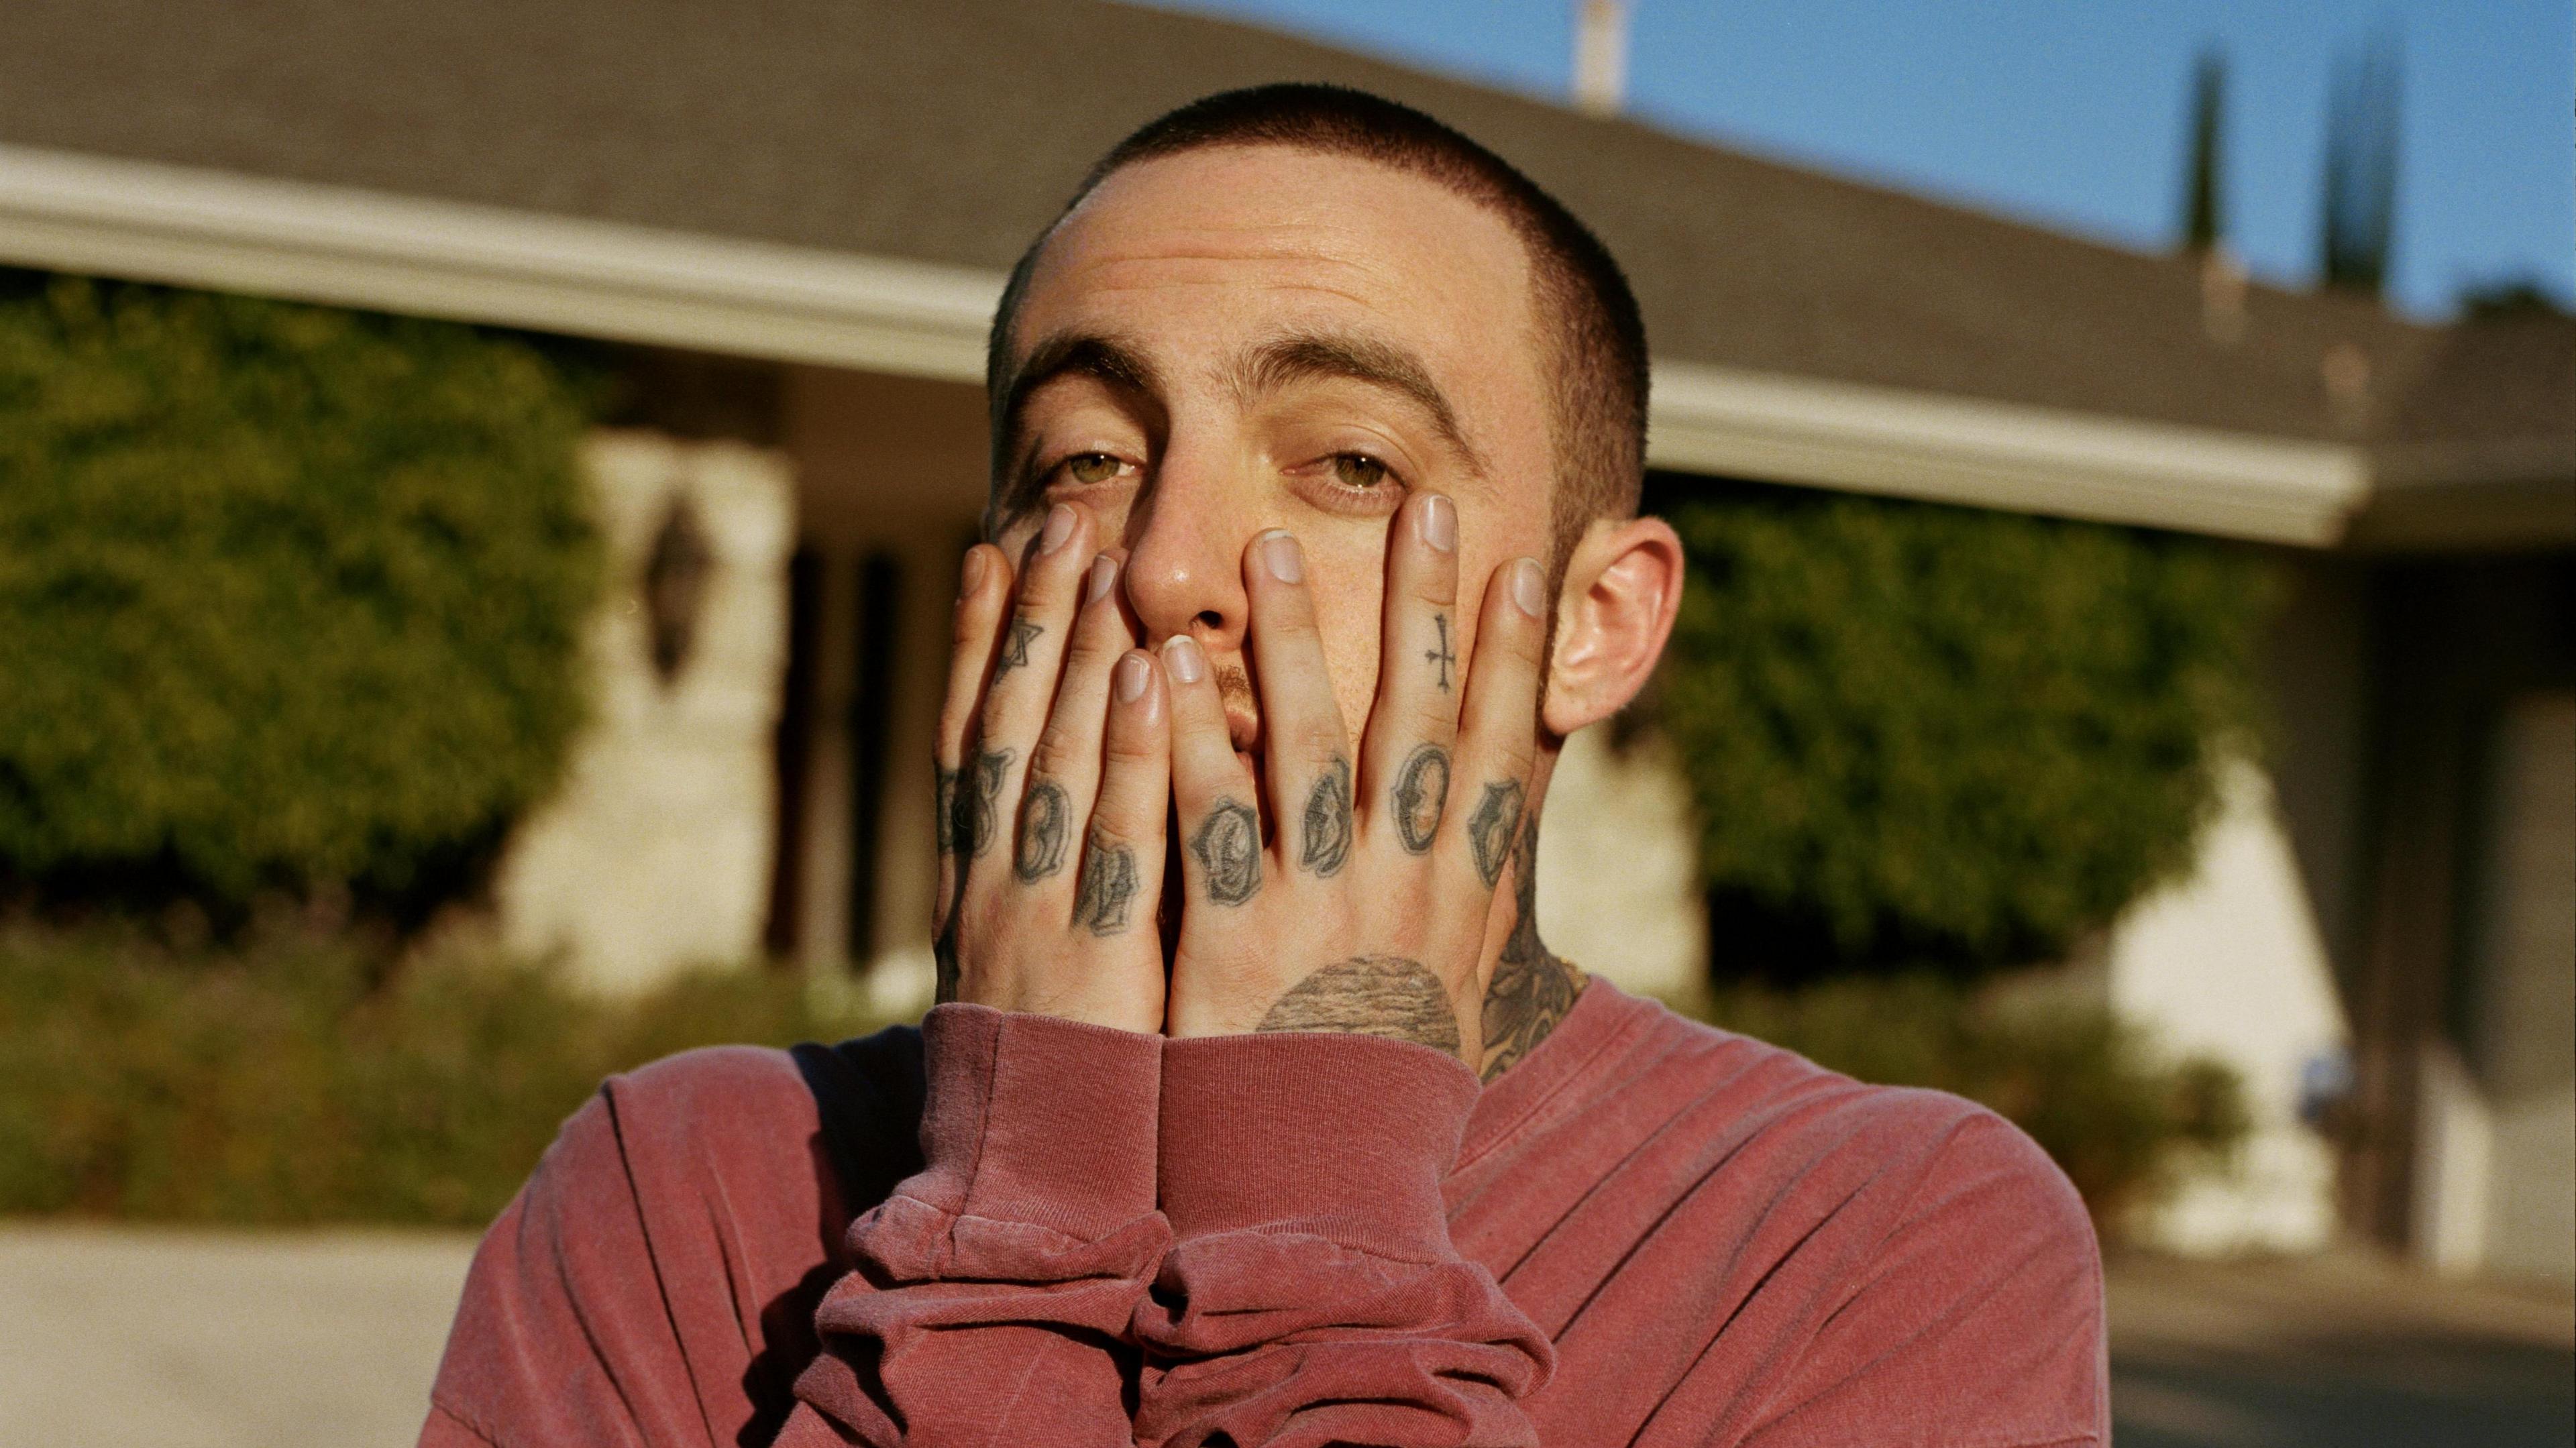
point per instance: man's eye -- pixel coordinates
(1088, 468)
(1358, 471)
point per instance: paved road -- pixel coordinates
(220, 1340)
(2341, 1352)
(328, 1339)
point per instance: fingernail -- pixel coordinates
(1059, 526)
(1181, 655)
(1529, 587)
(1104, 572)
(972, 573)
(1134, 673)
(1280, 553)
(1440, 523)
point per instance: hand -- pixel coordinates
(1362, 904)
(1054, 782)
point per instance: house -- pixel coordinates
(800, 212)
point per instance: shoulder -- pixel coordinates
(1894, 1244)
(847, 1112)
(1939, 1155)
(1791, 1104)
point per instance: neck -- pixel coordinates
(1530, 990)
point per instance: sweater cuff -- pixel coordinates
(1344, 1137)
(1034, 1120)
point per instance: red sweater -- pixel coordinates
(1647, 1232)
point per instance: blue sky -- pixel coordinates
(2069, 113)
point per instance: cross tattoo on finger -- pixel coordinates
(1441, 655)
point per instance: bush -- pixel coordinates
(1923, 735)
(2125, 1125)
(290, 597)
(274, 1082)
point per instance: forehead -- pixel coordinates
(1224, 244)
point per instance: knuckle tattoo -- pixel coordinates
(1228, 848)
(1421, 797)
(978, 802)
(1108, 885)
(1492, 829)
(1328, 820)
(1370, 995)
(943, 794)
(1044, 817)
(1015, 650)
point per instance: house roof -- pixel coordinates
(948, 133)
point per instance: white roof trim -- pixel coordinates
(2003, 455)
(83, 213)
(215, 229)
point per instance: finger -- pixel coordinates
(983, 596)
(1211, 790)
(1122, 850)
(1405, 766)
(1307, 757)
(1498, 731)
(1064, 769)
(1021, 684)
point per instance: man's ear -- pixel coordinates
(1623, 587)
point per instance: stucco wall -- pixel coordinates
(655, 853)
(2230, 963)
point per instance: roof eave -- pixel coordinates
(186, 226)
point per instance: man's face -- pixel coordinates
(1237, 339)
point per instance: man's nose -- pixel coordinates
(1185, 555)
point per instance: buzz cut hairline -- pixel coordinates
(1586, 312)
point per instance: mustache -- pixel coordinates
(1234, 688)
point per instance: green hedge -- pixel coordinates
(1920, 735)
(297, 1078)
(289, 596)
(278, 1082)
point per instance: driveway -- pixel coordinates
(2342, 1351)
(188, 1339)
(182, 1339)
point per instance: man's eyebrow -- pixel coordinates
(1060, 354)
(1074, 354)
(1308, 356)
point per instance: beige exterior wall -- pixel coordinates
(655, 853)
(2231, 963)
(1618, 867)
(2496, 1161)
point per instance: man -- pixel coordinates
(1256, 1112)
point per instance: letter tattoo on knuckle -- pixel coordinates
(1228, 849)
(1328, 820)
(1015, 649)
(1370, 995)
(1045, 822)
(1108, 885)
(1494, 826)
(1421, 797)
(979, 802)
(944, 806)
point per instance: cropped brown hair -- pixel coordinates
(1597, 340)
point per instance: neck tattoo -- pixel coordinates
(1532, 990)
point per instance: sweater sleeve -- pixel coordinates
(1312, 1295)
(992, 1290)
